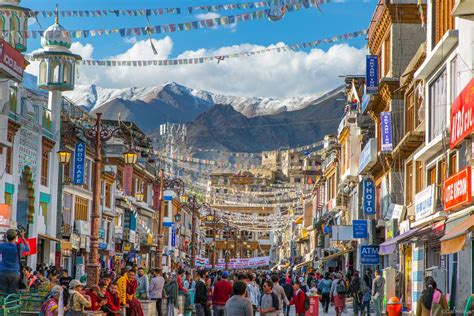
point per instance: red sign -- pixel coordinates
(156, 196)
(457, 189)
(127, 179)
(462, 115)
(5, 215)
(11, 61)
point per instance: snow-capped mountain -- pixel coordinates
(93, 97)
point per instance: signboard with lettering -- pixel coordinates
(173, 236)
(5, 212)
(156, 196)
(12, 61)
(359, 228)
(79, 161)
(369, 197)
(462, 115)
(424, 202)
(457, 189)
(127, 179)
(369, 255)
(386, 130)
(372, 74)
(368, 155)
(29, 146)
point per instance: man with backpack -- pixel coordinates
(10, 263)
(338, 294)
(269, 304)
(324, 288)
(356, 292)
(300, 300)
(280, 293)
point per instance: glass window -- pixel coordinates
(453, 163)
(67, 208)
(455, 78)
(419, 176)
(81, 209)
(44, 168)
(438, 105)
(409, 183)
(9, 162)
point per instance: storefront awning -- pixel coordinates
(455, 239)
(390, 245)
(335, 255)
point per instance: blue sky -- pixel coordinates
(300, 26)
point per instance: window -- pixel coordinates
(453, 163)
(443, 20)
(81, 209)
(67, 171)
(386, 56)
(9, 162)
(410, 113)
(44, 168)
(13, 99)
(438, 105)
(419, 177)
(44, 212)
(409, 183)
(108, 194)
(331, 183)
(431, 175)
(8, 198)
(166, 211)
(67, 208)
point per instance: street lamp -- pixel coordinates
(130, 157)
(177, 217)
(139, 196)
(64, 156)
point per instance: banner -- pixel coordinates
(457, 189)
(12, 62)
(127, 179)
(386, 130)
(369, 197)
(237, 263)
(372, 74)
(79, 161)
(462, 115)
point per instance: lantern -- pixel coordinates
(130, 157)
(64, 156)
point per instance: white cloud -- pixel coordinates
(209, 15)
(273, 74)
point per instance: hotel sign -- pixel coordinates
(462, 115)
(457, 189)
(372, 74)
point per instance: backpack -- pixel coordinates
(341, 288)
(355, 286)
(306, 302)
(324, 286)
(275, 302)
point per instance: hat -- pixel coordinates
(11, 234)
(225, 274)
(75, 283)
(301, 279)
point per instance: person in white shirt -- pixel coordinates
(253, 291)
(156, 290)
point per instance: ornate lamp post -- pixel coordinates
(192, 204)
(227, 230)
(211, 217)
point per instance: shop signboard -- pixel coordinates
(83, 228)
(424, 202)
(341, 233)
(386, 130)
(103, 246)
(369, 255)
(368, 196)
(156, 196)
(360, 228)
(173, 236)
(462, 115)
(372, 74)
(457, 190)
(79, 161)
(368, 155)
(12, 62)
(127, 179)
(5, 212)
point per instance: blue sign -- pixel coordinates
(386, 129)
(168, 198)
(372, 74)
(359, 228)
(79, 161)
(369, 197)
(168, 224)
(365, 101)
(101, 233)
(369, 255)
(173, 236)
(103, 245)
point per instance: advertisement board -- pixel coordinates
(386, 130)
(457, 189)
(462, 115)
(79, 161)
(360, 228)
(369, 255)
(368, 196)
(5, 212)
(12, 62)
(372, 74)
(424, 202)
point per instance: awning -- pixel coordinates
(389, 246)
(48, 237)
(335, 255)
(455, 239)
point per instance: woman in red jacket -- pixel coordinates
(298, 299)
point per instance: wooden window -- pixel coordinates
(67, 209)
(8, 198)
(453, 163)
(431, 175)
(108, 195)
(419, 177)
(167, 209)
(409, 183)
(410, 113)
(386, 56)
(9, 162)
(81, 209)
(442, 171)
(44, 168)
(443, 20)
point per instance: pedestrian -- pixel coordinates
(96, 297)
(324, 289)
(128, 288)
(253, 292)
(289, 295)
(10, 252)
(366, 298)
(65, 279)
(156, 290)
(432, 301)
(221, 294)
(112, 307)
(269, 304)
(183, 293)
(356, 293)
(201, 300)
(368, 278)
(280, 293)
(50, 306)
(338, 293)
(378, 285)
(77, 300)
(143, 284)
(238, 304)
(298, 299)
(171, 292)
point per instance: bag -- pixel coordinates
(306, 302)
(341, 288)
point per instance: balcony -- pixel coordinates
(66, 230)
(332, 158)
